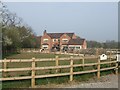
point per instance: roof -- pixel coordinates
(70, 34)
(58, 35)
(77, 41)
(55, 35)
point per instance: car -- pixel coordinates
(65, 49)
(53, 49)
(41, 50)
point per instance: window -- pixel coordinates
(77, 47)
(45, 46)
(54, 40)
(58, 40)
(45, 40)
(71, 47)
(65, 40)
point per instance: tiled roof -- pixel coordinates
(70, 34)
(55, 35)
(77, 41)
(58, 35)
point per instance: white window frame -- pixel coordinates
(75, 46)
(45, 40)
(64, 40)
(54, 40)
(45, 46)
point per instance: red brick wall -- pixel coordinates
(74, 36)
(55, 42)
(45, 36)
(64, 36)
(84, 46)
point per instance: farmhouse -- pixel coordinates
(62, 40)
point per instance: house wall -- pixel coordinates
(74, 36)
(80, 46)
(55, 42)
(43, 46)
(84, 46)
(64, 36)
(45, 36)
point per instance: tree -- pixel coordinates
(14, 34)
(94, 44)
(108, 44)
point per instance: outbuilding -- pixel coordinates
(103, 57)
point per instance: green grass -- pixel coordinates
(52, 80)
(35, 55)
(84, 77)
(44, 81)
(16, 84)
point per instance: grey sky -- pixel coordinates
(90, 20)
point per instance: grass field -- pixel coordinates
(36, 55)
(56, 80)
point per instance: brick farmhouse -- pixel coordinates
(61, 40)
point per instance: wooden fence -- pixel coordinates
(56, 67)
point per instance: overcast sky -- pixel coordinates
(90, 20)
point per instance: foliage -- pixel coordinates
(15, 34)
(108, 44)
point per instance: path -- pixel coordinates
(108, 81)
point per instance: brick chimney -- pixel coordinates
(44, 32)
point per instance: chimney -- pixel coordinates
(44, 32)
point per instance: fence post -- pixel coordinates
(116, 70)
(83, 61)
(33, 73)
(98, 73)
(5, 67)
(56, 59)
(110, 57)
(78, 53)
(71, 68)
(5, 64)
(97, 53)
(98, 67)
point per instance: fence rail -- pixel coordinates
(71, 66)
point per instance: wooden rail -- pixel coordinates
(71, 67)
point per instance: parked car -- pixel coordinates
(65, 49)
(53, 49)
(41, 50)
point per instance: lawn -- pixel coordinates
(56, 80)
(35, 55)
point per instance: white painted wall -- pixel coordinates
(118, 57)
(75, 46)
(45, 46)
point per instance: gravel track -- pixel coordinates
(108, 81)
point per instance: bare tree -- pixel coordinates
(8, 18)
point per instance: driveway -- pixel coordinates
(108, 81)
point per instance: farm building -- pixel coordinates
(62, 40)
